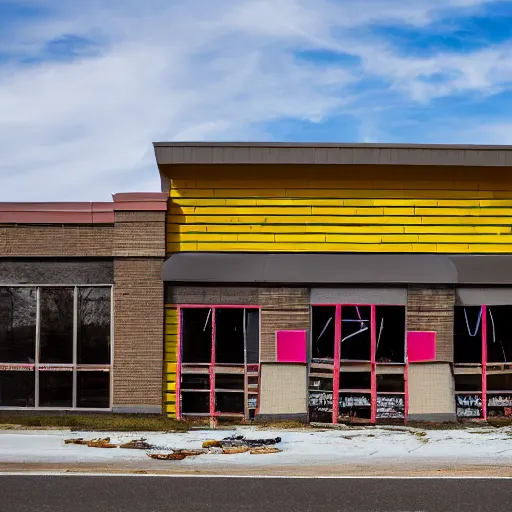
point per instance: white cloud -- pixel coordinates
(80, 129)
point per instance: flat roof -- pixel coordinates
(176, 153)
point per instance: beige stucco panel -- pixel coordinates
(283, 388)
(431, 389)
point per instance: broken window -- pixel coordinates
(355, 380)
(196, 329)
(57, 305)
(469, 383)
(252, 335)
(354, 407)
(320, 406)
(56, 388)
(17, 388)
(390, 383)
(323, 332)
(227, 381)
(499, 334)
(195, 402)
(229, 336)
(17, 325)
(93, 329)
(320, 384)
(93, 389)
(229, 402)
(390, 327)
(195, 382)
(499, 381)
(356, 333)
(467, 334)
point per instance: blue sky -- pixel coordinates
(85, 87)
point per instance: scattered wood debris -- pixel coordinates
(212, 444)
(167, 456)
(265, 449)
(235, 449)
(137, 444)
(101, 443)
(79, 440)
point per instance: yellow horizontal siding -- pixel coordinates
(338, 215)
(170, 359)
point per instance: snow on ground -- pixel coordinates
(311, 447)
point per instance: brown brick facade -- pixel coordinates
(138, 333)
(431, 309)
(57, 241)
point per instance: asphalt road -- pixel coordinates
(155, 494)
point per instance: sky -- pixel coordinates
(87, 86)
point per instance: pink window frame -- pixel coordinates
(373, 364)
(211, 364)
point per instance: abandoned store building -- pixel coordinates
(322, 282)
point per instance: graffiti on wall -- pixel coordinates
(320, 401)
(469, 406)
(347, 401)
(390, 407)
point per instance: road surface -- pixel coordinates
(73, 493)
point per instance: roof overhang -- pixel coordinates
(337, 269)
(177, 153)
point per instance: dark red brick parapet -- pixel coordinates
(81, 213)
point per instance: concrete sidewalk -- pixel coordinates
(351, 451)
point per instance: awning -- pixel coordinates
(333, 269)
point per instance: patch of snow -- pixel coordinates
(298, 447)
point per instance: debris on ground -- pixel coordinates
(191, 453)
(80, 440)
(167, 456)
(212, 444)
(235, 449)
(264, 450)
(137, 444)
(234, 441)
(101, 443)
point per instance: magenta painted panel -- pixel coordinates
(421, 346)
(291, 346)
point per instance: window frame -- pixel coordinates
(37, 367)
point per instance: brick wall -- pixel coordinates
(138, 334)
(56, 240)
(431, 309)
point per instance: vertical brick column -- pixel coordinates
(139, 251)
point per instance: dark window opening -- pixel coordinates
(499, 382)
(390, 327)
(355, 380)
(354, 407)
(196, 334)
(229, 336)
(499, 334)
(17, 389)
(93, 390)
(390, 383)
(17, 325)
(323, 332)
(468, 383)
(56, 389)
(229, 402)
(195, 382)
(356, 333)
(195, 402)
(467, 334)
(252, 336)
(320, 384)
(499, 405)
(93, 329)
(226, 381)
(57, 306)
(252, 381)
